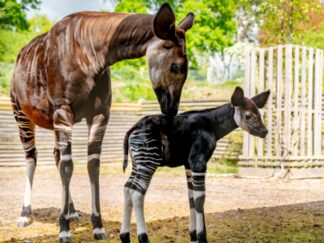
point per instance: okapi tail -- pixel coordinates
(126, 144)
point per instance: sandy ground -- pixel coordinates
(237, 210)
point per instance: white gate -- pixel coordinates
(293, 113)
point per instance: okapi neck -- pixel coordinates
(131, 38)
(224, 120)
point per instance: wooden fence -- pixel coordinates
(123, 116)
(293, 114)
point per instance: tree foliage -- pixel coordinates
(284, 20)
(13, 13)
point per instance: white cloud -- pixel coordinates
(57, 9)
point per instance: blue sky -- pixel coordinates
(57, 9)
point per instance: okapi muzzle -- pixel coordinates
(169, 102)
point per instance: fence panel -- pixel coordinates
(123, 116)
(294, 113)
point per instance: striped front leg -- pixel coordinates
(97, 127)
(63, 120)
(192, 226)
(198, 188)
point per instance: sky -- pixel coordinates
(57, 9)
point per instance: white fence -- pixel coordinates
(292, 116)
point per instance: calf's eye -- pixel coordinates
(175, 68)
(248, 117)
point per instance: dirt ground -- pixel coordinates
(237, 210)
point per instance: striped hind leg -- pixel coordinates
(128, 207)
(27, 137)
(146, 152)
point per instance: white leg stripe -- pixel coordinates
(94, 209)
(23, 220)
(192, 224)
(200, 222)
(66, 157)
(138, 203)
(198, 174)
(93, 156)
(64, 234)
(99, 231)
(197, 194)
(125, 227)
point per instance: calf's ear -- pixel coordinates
(261, 99)
(238, 97)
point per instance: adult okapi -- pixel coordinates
(63, 76)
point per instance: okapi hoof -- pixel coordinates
(65, 237)
(24, 221)
(99, 234)
(125, 237)
(74, 216)
(143, 238)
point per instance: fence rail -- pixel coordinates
(123, 116)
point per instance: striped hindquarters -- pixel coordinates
(145, 150)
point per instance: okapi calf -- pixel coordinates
(188, 139)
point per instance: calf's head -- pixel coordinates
(247, 115)
(167, 58)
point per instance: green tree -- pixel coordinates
(284, 20)
(13, 13)
(39, 23)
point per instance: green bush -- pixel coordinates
(11, 42)
(6, 70)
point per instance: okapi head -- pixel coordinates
(167, 58)
(247, 115)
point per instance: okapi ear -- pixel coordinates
(238, 97)
(187, 22)
(164, 23)
(261, 99)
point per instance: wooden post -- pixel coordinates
(261, 89)
(246, 90)
(303, 103)
(251, 94)
(317, 104)
(296, 126)
(270, 112)
(279, 101)
(310, 104)
(287, 103)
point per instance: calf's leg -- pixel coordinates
(128, 206)
(192, 224)
(198, 185)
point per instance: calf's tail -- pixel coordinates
(126, 145)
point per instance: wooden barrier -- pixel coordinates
(123, 116)
(294, 116)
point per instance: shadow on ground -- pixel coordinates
(289, 223)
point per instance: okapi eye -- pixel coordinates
(175, 68)
(167, 47)
(248, 117)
